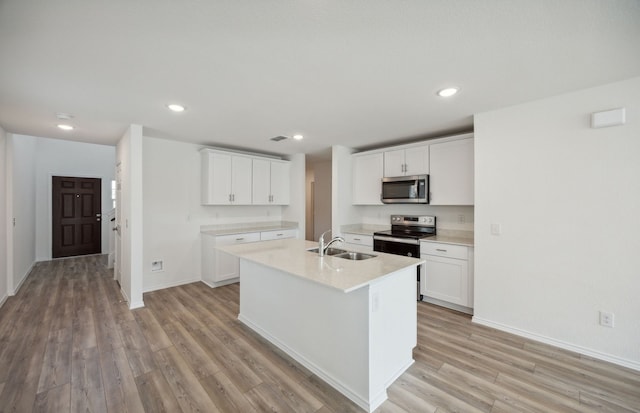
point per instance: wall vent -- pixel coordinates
(279, 138)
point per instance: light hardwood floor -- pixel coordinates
(69, 343)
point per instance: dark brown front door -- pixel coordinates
(76, 216)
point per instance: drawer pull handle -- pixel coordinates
(441, 250)
(279, 235)
(239, 239)
(357, 239)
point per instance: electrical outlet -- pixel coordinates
(157, 265)
(606, 319)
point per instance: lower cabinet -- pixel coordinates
(358, 242)
(448, 275)
(220, 268)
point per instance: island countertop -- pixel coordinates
(291, 256)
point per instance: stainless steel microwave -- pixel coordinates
(406, 190)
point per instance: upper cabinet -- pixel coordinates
(236, 179)
(367, 178)
(270, 182)
(226, 178)
(451, 172)
(410, 161)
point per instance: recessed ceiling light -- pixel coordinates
(175, 107)
(298, 137)
(450, 91)
(65, 127)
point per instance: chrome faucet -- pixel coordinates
(322, 247)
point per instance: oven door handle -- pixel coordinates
(393, 239)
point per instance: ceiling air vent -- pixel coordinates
(279, 138)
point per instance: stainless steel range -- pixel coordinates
(404, 237)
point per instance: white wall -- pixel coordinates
(342, 210)
(322, 198)
(22, 183)
(309, 212)
(295, 211)
(173, 214)
(129, 157)
(3, 217)
(568, 199)
(56, 157)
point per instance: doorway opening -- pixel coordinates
(76, 216)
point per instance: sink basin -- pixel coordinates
(354, 256)
(329, 251)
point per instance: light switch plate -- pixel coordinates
(496, 229)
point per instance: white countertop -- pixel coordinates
(291, 256)
(447, 239)
(231, 229)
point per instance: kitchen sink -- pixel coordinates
(354, 256)
(329, 251)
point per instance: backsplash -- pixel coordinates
(456, 219)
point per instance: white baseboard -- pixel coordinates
(162, 286)
(559, 343)
(3, 300)
(22, 280)
(137, 304)
(369, 407)
(221, 283)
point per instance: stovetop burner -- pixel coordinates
(410, 227)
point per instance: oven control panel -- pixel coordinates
(421, 220)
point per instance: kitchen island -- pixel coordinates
(352, 323)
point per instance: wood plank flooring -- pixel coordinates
(68, 343)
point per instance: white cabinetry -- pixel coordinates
(226, 178)
(367, 178)
(451, 173)
(280, 234)
(270, 182)
(220, 268)
(358, 242)
(448, 275)
(409, 161)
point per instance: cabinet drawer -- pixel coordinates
(237, 238)
(444, 250)
(359, 239)
(282, 234)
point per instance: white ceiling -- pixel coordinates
(359, 73)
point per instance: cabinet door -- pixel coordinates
(451, 173)
(227, 266)
(417, 160)
(219, 179)
(394, 163)
(367, 179)
(280, 181)
(241, 178)
(446, 279)
(261, 181)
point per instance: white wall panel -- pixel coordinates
(567, 199)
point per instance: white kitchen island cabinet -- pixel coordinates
(352, 323)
